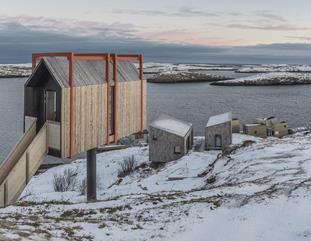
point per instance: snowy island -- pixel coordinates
(258, 189)
(277, 78)
(185, 77)
(15, 70)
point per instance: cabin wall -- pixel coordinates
(256, 130)
(90, 118)
(162, 145)
(129, 108)
(224, 130)
(90, 114)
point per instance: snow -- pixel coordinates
(219, 119)
(252, 124)
(259, 191)
(274, 68)
(268, 78)
(170, 124)
(175, 68)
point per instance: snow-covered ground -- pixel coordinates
(259, 189)
(277, 78)
(274, 68)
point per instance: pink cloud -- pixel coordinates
(186, 37)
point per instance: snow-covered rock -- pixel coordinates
(182, 77)
(285, 78)
(15, 70)
(274, 68)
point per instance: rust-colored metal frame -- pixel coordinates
(72, 57)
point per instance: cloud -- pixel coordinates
(268, 26)
(68, 26)
(270, 15)
(22, 36)
(184, 36)
(178, 12)
(301, 38)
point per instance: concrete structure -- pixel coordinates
(236, 125)
(218, 132)
(169, 139)
(255, 129)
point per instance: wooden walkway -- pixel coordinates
(22, 163)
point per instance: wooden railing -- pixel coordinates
(22, 163)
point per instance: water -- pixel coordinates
(11, 113)
(193, 102)
(197, 101)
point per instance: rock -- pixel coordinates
(184, 77)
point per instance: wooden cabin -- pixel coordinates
(87, 100)
(275, 127)
(236, 125)
(258, 130)
(218, 132)
(169, 139)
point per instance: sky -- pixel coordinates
(222, 31)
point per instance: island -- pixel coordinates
(15, 71)
(185, 77)
(285, 78)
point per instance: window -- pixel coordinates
(255, 132)
(177, 150)
(154, 137)
(285, 126)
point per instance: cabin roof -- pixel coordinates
(219, 119)
(172, 125)
(253, 124)
(88, 72)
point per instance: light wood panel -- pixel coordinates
(129, 108)
(90, 116)
(17, 152)
(2, 204)
(54, 135)
(24, 168)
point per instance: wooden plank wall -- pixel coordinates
(17, 152)
(54, 135)
(90, 116)
(23, 169)
(145, 125)
(37, 150)
(129, 107)
(29, 120)
(2, 204)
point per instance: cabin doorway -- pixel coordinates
(218, 141)
(50, 105)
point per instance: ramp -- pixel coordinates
(22, 163)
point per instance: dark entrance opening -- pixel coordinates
(218, 141)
